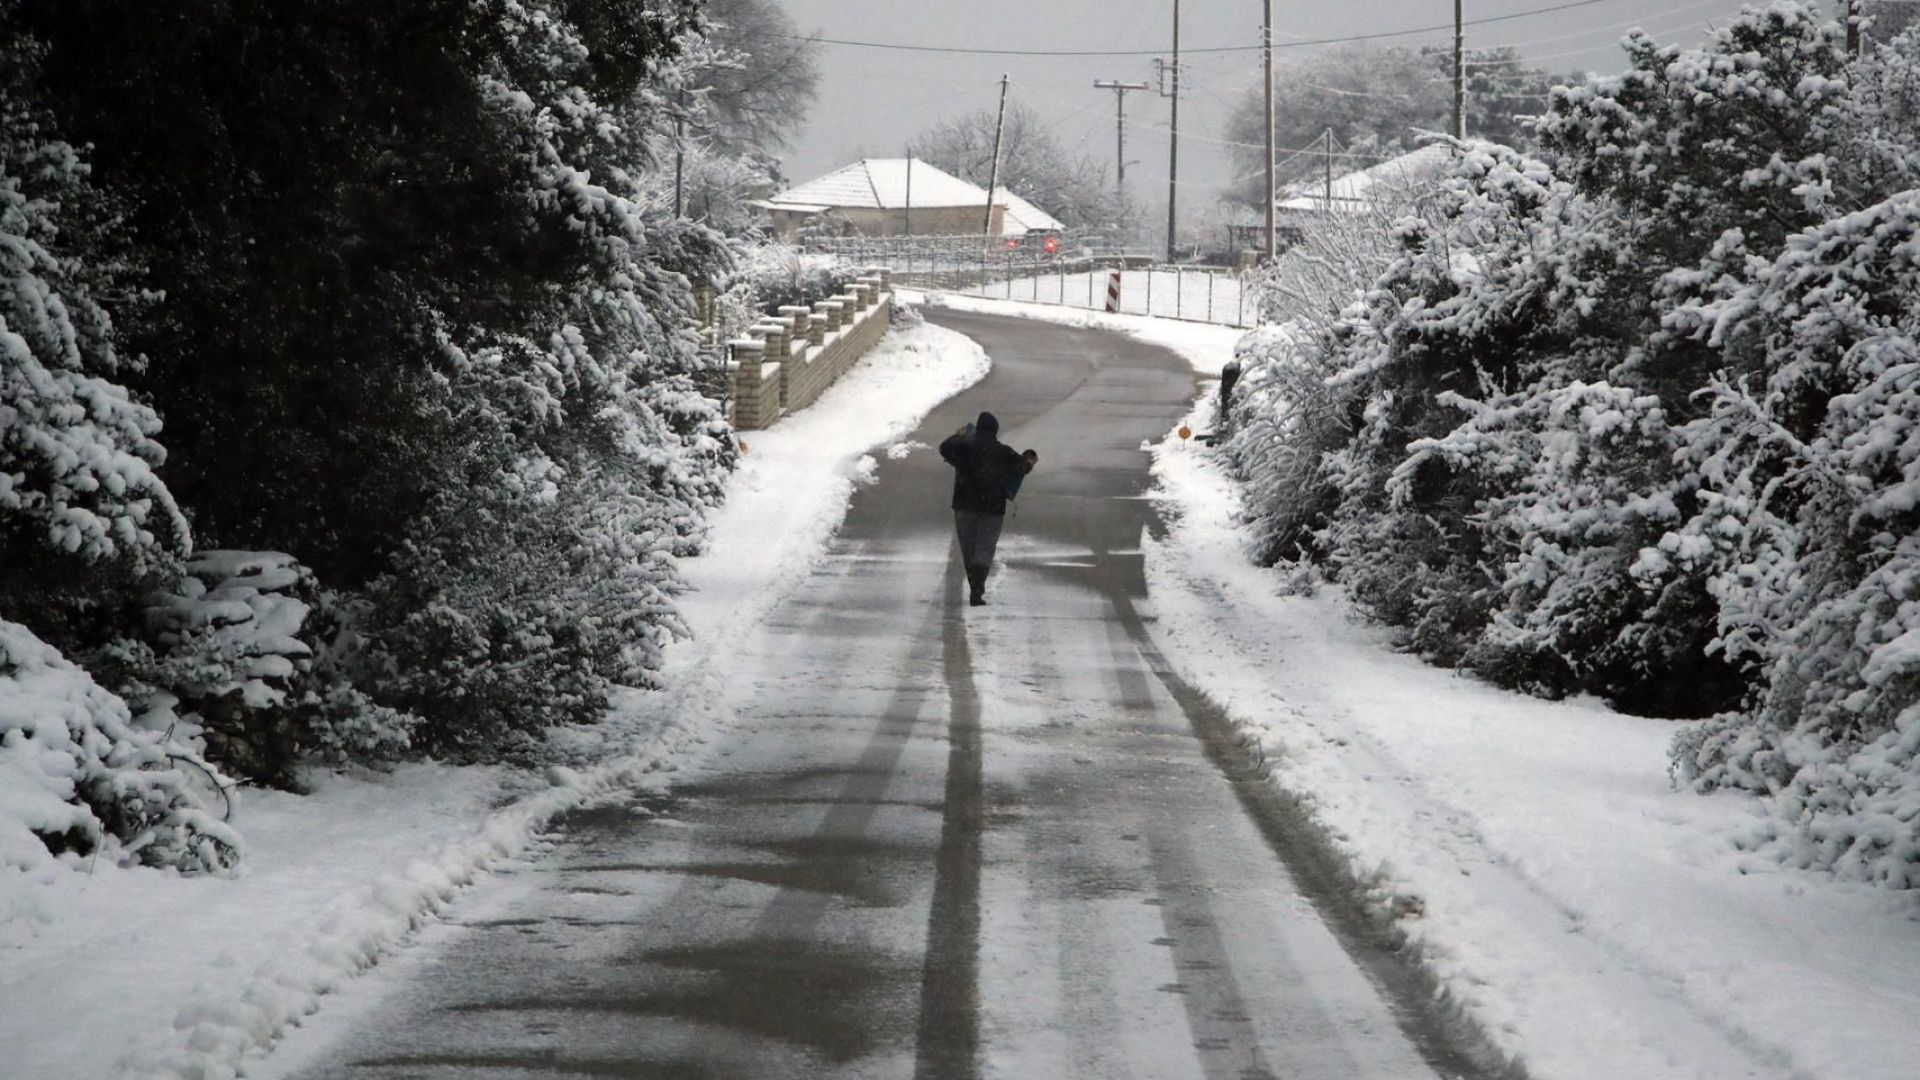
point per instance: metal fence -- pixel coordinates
(1028, 272)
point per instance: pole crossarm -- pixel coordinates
(1120, 90)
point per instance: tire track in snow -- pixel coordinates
(1725, 1041)
(1320, 875)
(1218, 1016)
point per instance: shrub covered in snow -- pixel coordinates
(247, 660)
(1634, 418)
(1809, 531)
(78, 777)
(538, 572)
(781, 274)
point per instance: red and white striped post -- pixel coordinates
(1113, 292)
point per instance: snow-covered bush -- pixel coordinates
(247, 660)
(1639, 418)
(78, 777)
(781, 274)
(1810, 531)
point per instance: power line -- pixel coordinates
(898, 47)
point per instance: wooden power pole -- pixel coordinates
(1119, 128)
(993, 171)
(1266, 47)
(1459, 72)
(1173, 147)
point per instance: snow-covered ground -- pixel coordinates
(1196, 295)
(1593, 919)
(134, 971)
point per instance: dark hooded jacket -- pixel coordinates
(982, 466)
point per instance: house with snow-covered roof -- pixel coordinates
(898, 197)
(1022, 217)
(1353, 192)
(1303, 203)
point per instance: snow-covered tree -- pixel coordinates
(1809, 530)
(427, 332)
(539, 572)
(1033, 165)
(1375, 101)
(79, 491)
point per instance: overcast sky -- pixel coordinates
(873, 100)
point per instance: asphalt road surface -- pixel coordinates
(944, 842)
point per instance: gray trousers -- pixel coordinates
(979, 535)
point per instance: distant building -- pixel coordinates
(1353, 192)
(897, 197)
(1304, 202)
(1022, 217)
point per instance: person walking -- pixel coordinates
(986, 472)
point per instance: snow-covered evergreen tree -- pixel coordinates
(540, 572)
(78, 454)
(1635, 418)
(1809, 528)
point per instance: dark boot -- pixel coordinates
(977, 585)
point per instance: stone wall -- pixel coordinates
(790, 357)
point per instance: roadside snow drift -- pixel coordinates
(1592, 919)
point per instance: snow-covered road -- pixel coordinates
(939, 841)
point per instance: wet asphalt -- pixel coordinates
(941, 841)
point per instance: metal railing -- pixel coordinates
(1027, 272)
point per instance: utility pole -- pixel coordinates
(680, 156)
(1119, 128)
(1329, 170)
(906, 227)
(1173, 147)
(1459, 72)
(993, 171)
(1266, 46)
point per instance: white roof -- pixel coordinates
(881, 183)
(1352, 191)
(1021, 215)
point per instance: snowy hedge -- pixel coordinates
(1635, 417)
(1809, 532)
(78, 778)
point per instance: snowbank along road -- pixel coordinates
(940, 842)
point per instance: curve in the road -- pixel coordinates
(941, 842)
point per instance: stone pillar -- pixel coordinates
(799, 318)
(775, 333)
(817, 329)
(835, 312)
(748, 354)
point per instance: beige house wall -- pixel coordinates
(872, 221)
